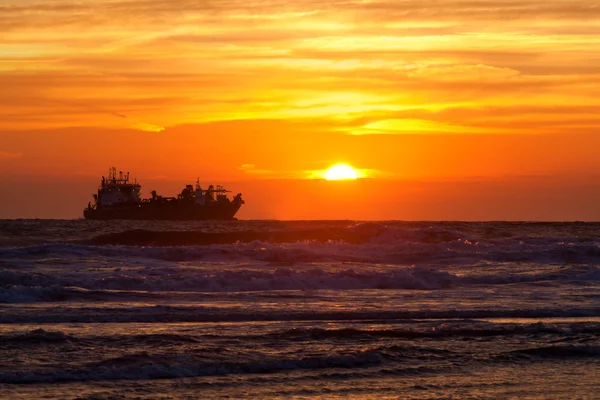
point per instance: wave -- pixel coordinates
(180, 281)
(363, 243)
(413, 331)
(382, 360)
(8, 277)
(560, 352)
(161, 366)
(37, 336)
(161, 313)
(30, 294)
(355, 234)
(278, 279)
(437, 331)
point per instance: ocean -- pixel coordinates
(300, 310)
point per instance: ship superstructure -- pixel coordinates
(117, 190)
(119, 198)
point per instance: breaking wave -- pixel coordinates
(355, 234)
(156, 281)
(29, 294)
(366, 242)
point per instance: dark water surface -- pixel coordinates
(308, 309)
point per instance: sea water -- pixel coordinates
(307, 309)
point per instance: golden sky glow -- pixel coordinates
(272, 89)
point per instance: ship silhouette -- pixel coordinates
(119, 198)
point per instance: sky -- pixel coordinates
(454, 109)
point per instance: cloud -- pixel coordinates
(252, 170)
(411, 126)
(143, 126)
(274, 59)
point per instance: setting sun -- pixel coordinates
(340, 172)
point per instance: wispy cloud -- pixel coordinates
(252, 170)
(143, 126)
(333, 61)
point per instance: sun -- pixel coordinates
(339, 172)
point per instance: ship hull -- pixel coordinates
(192, 212)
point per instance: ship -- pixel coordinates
(120, 198)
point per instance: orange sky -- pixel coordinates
(456, 109)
